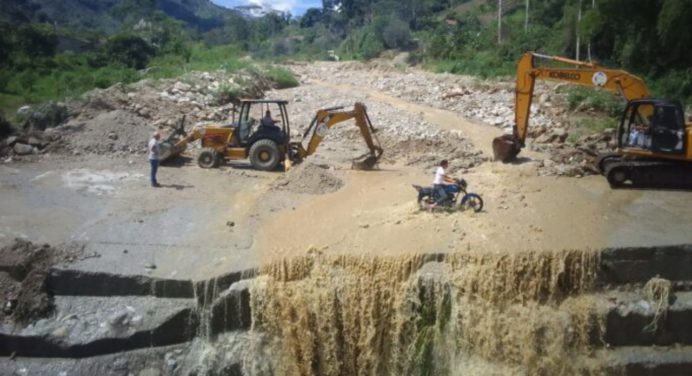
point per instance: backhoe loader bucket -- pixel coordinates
(366, 162)
(505, 148)
(168, 149)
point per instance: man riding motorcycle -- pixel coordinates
(439, 182)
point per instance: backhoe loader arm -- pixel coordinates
(618, 82)
(325, 119)
(174, 146)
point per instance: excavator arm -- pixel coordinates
(325, 119)
(618, 82)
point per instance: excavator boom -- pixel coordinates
(325, 119)
(618, 82)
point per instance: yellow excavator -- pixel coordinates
(654, 143)
(267, 144)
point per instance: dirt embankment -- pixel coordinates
(23, 269)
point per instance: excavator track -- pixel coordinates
(646, 173)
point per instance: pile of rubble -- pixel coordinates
(406, 138)
(119, 119)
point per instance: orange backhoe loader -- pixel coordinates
(654, 143)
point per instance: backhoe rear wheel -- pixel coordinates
(208, 158)
(264, 155)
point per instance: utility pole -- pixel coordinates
(588, 47)
(499, 21)
(578, 24)
(526, 20)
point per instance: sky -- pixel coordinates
(296, 7)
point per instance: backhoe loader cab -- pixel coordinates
(260, 133)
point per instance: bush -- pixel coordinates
(5, 126)
(675, 85)
(227, 93)
(396, 34)
(130, 50)
(281, 77)
(44, 116)
(597, 100)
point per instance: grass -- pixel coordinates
(588, 125)
(597, 100)
(282, 77)
(484, 64)
(68, 75)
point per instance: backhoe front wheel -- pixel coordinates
(208, 158)
(264, 155)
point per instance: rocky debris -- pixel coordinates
(119, 119)
(23, 269)
(490, 102)
(404, 136)
(43, 116)
(112, 132)
(309, 178)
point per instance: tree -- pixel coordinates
(673, 29)
(396, 33)
(37, 40)
(311, 17)
(130, 50)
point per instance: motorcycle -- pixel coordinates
(469, 200)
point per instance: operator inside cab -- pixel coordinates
(267, 121)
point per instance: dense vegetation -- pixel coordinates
(45, 54)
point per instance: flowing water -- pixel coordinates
(524, 313)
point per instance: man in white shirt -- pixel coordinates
(154, 157)
(441, 179)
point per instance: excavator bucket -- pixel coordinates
(505, 148)
(366, 162)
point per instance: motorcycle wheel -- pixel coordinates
(472, 201)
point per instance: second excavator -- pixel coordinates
(266, 143)
(654, 143)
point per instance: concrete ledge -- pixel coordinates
(208, 290)
(80, 283)
(178, 328)
(639, 264)
(648, 361)
(626, 324)
(231, 310)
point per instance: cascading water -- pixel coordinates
(514, 313)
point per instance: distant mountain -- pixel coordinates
(108, 15)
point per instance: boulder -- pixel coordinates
(23, 149)
(46, 115)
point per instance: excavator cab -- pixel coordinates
(653, 125)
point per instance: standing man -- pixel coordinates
(441, 179)
(154, 157)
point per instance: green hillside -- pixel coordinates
(55, 49)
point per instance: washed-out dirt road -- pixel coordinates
(206, 222)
